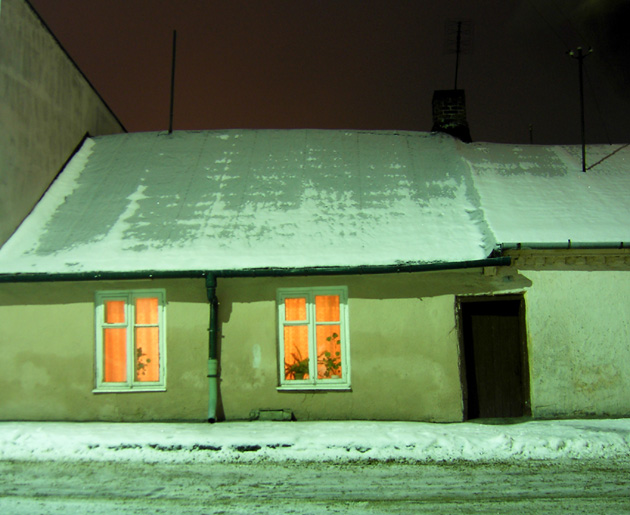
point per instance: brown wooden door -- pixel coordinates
(495, 363)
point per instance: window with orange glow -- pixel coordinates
(313, 336)
(130, 352)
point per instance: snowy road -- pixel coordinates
(564, 486)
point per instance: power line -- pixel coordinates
(608, 155)
(597, 108)
(568, 20)
(553, 29)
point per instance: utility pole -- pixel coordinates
(579, 55)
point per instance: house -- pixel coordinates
(320, 274)
(46, 106)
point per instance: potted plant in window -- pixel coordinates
(298, 368)
(331, 362)
(140, 364)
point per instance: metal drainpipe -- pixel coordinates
(213, 364)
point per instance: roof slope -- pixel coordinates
(302, 198)
(540, 194)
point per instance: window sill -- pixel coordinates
(314, 387)
(130, 390)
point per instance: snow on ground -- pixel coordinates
(315, 441)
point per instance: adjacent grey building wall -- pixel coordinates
(46, 107)
(578, 325)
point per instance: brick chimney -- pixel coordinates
(449, 114)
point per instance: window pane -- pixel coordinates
(115, 356)
(296, 352)
(295, 309)
(147, 364)
(115, 312)
(147, 311)
(327, 308)
(328, 351)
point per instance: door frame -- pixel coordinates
(523, 344)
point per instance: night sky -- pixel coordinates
(354, 64)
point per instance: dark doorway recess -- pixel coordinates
(495, 371)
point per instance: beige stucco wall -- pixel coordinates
(404, 347)
(403, 344)
(578, 325)
(47, 343)
(46, 107)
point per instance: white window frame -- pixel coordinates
(129, 296)
(313, 383)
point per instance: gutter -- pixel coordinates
(614, 245)
(252, 272)
(211, 277)
(44, 277)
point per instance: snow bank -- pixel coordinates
(315, 441)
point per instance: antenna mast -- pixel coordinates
(579, 55)
(458, 41)
(170, 120)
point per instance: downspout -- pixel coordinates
(213, 364)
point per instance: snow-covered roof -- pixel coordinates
(238, 199)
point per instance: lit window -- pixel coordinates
(313, 336)
(130, 348)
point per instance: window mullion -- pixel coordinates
(130, 339)
(281, 326)
(100, 341)
(312, 338)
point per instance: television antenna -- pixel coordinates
(459, 35)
